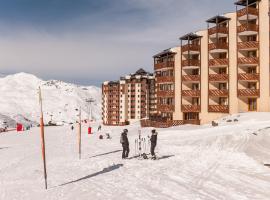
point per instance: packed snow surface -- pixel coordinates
(19, 97)
(229, 161)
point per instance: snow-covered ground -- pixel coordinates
(19, 99)
(195, 162)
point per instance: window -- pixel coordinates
(252, 70)
(191, 116)
(222, 71)
(251, 38)
(252, 86)
(252, 104)
(222, 55)
(222, 86)
(222, 101)
(195, 86)
(195, 101)
(251, 54)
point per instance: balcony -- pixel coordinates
(218, 77)
(248, 61)
(191, 93)
(248, 93)
(248, 45)
(169, 64)
(218, 30)
(165, 79)
(218, 62)
(191, 78)
(191, 108)
(218, 108)
(247, 29)
(218, 47)
(167, 93)
(248, 77)
(218, 93)
(251, 12)
(165, 108)
(190, 47)
(191, 63)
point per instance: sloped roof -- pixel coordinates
(218, 19)
(245, 2)
(190, 36)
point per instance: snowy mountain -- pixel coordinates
(61, 101)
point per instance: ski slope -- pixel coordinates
(195, 162)
(19, 99)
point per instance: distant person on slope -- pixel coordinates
(125, 144)
(72, 127)
(99, 128)
(153, 140)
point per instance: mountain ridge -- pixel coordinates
(61, 100)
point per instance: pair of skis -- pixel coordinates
(142, 147)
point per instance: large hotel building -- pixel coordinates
(222, 70)
(129, 99)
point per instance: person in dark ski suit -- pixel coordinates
(153, 140)
(99, 128)
(125, 144)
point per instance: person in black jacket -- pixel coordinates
(125, 144)
(153, 140)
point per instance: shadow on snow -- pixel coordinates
(103, 154)
(105, 170)
(165, 157)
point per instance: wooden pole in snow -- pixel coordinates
(42, 138)
(80, 133)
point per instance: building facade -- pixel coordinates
(221, 70)
(129, 99)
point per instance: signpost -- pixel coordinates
(80, 133)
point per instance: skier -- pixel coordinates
(125, 144)
(99, 128)
(153, 140)
(72, 127)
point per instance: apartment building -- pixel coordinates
(129, 99)
(221, 70)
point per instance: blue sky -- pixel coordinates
(89, 41)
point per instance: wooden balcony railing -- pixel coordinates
(167, 93)
(191, 108)
(248, 10)
(248, 27)
(168, 64)
(248, 61)
(218, 108)
(165, 108)
(218, 93)
(221, 45)
(190, 47)
(248, 93)
(215, 30)
(248, 45)
(162, 79)
(218, 77)
(191, 93)
(190, 62)
(191, 78)
(218, 62)
(248, 77)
